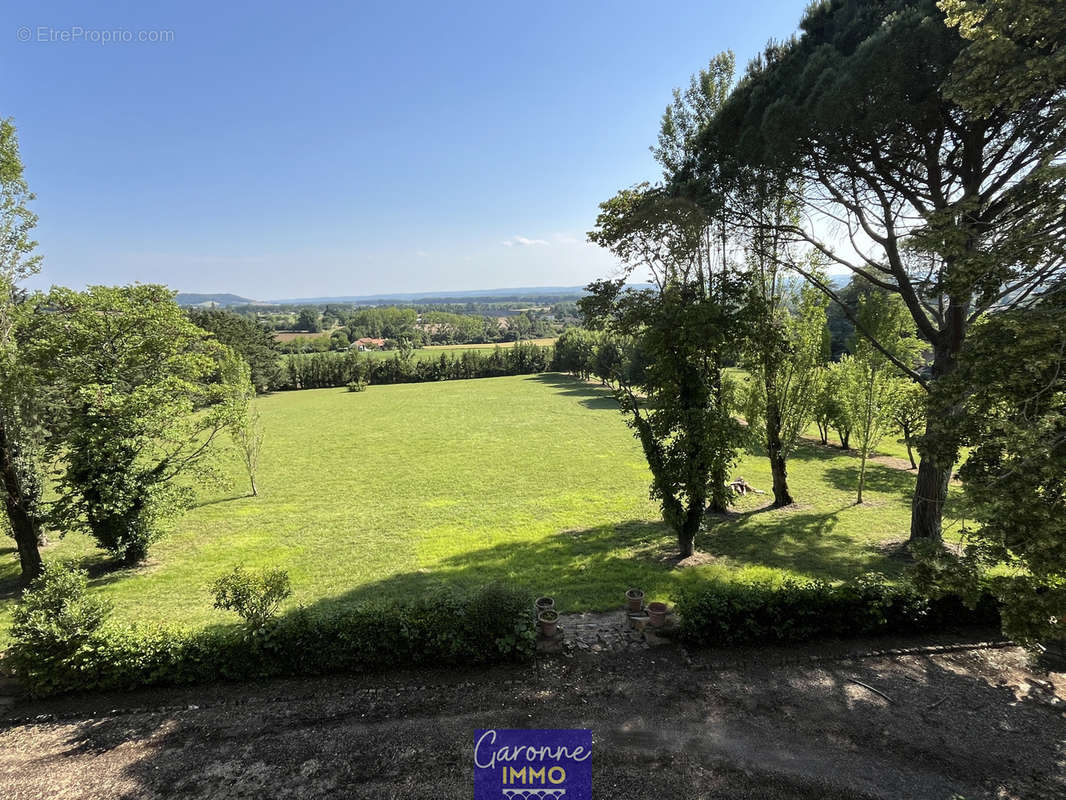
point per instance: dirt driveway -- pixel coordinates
(770, 723)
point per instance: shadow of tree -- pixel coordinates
(591, 395)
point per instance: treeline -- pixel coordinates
(331, 370)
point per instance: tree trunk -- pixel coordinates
(23, 523)
(938, 449)
(910, 451)
(255, 492)
(775, 453)
(862, 477)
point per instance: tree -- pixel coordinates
(20, 479)
(137, 395)
(908, 413)
(249, 339)
(824, 404)
(684, 331)
(869, 382)
(839, 413)
(933, 143)
(308, 320)
(247, 433)
(1014, 476)
(785, 355)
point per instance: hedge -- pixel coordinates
(723, 613)
(489, 625)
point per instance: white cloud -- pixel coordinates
(522, 241)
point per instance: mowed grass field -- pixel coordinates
(533, 480)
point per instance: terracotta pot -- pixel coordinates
(545, 604)
(657, 614)
(634, 600)
(548, 620)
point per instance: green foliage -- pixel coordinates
(256, 596)
(357, 386)
(909, 413)
(1015, 473)
(20, 434)
(448, 627)
(327, 370)
(53, 620)
(720, 613)
(246, 337)
(137, 397)
(869, 387)
(309, 320)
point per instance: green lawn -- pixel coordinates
(535, 480)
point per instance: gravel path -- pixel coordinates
(765, 723)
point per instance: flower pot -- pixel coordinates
(545, 604)
(634, 601)
(657, 614)
(549, 620)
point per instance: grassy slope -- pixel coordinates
(534, 480)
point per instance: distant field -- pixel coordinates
(534, 480)
(434, 351)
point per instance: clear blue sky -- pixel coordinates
(300, 149)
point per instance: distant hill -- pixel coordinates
(221, 299)
(519, 293)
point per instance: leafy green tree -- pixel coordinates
(908, 413)
(246, 337)
(1014, 476)
(932, 138)
(138, 395)
(838, 411)
(870, 378)
(20, 478)
(308, 320)
(785, 355)
(685, 327)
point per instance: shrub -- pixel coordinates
(255, 596)
(794, 611)
(491, 624)
(55, 618)
(357, 386)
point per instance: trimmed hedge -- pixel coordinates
(797, 611)
(489, 625)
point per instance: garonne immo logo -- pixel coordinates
(532, 764)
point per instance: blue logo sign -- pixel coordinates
(532, 765)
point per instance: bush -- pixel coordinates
(255, 596)
(492, 624)
(794, 611)
(357, 386)
(54, 620)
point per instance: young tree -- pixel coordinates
(931, 138)
(840, 418)
(824, 404)
(908, 413)
(138, 395)
(785, 355)
(20, 481)
(870, 382)
(247, 433)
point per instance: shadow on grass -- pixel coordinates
(591, 395)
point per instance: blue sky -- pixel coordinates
(302, 149)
